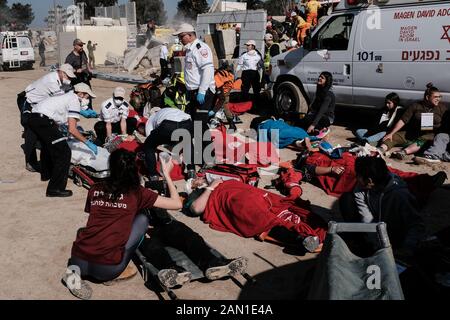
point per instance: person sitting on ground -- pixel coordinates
(224, 206)
(440, 150)
(416, 132)
(382, 196)
(114, 118)
(389, 116)
(168, 231)
(115, 227)
(321, 112)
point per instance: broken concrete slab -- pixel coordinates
(134, 57)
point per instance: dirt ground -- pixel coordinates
(36, 233)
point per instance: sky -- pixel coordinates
(41, 7)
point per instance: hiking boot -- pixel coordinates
(129, 272)
(400, 155)
(439, 179)
(311, 243)
(175, 276)
(78, 287)
(226, 267)
(426, 159)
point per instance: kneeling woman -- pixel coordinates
(115, 228)
(233, 206)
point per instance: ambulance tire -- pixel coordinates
(289, 99)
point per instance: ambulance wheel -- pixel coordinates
(289, 98)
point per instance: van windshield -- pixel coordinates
(24, 42)
(335, 34)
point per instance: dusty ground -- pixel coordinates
(36, 233)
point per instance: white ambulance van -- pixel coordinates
(16, 51)
(371, 50)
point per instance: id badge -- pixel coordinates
(426, 121)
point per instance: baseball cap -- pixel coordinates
(78, 42)
(251, 42)
(184, 27)
(268, 36)
(119, 92)
(67, 69)
(83, 87)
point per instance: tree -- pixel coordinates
(21, 15)
(151, 10)
(89, 9)
(191, 8)
(4, 12)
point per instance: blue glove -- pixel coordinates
(201, 98)
(211, 114)
(92, 146)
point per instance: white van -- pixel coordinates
(16, 51)
(393, 45)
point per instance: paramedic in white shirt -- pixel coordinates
(114, 117)
(159, 129)
(52, 84)
(45, 119)
(250, 63)
(164, 60)
(199, 78)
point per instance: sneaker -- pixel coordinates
(425, 159)
(400, 155)
(78, 287)
(311, 243)
(227, 267)
(175, 276)
(323, 133)
(439, 179)
(129, 272)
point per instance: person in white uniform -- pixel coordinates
(199, 78)
(250, 62)
(159, 129)
(114, 117)
(50, 85)
(164, 60)
(45, 119)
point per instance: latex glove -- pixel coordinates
(92, 146)
(201, 98)
(211, 113)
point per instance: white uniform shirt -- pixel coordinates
(249, 61)
(171, 114)
(199, 67)
(43, 88)
(164, 53)
(113, 114)
(60, 108)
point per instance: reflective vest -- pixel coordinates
(268, 57)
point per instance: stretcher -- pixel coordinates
(150, 273)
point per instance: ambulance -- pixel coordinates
(16, 51)
(372, 47)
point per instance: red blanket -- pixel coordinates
(228, 210)
(420, 185)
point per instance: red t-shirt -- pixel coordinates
(109, 225)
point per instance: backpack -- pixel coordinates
(243, 172)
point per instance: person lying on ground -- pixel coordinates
(168, 232)
(337, 176)
(224, 206)
(389, 116)
(115, 227)
(416, 131)
(382, 196)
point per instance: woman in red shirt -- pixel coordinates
(116, 226)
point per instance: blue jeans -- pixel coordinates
(361, 134)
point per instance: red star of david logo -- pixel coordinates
(446, 34)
